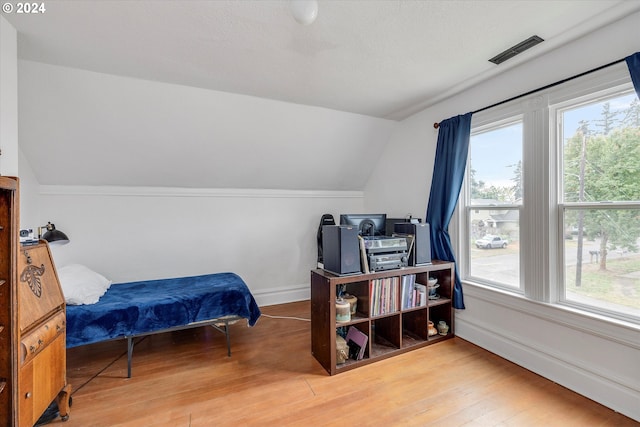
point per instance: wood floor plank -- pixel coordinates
(185, 378)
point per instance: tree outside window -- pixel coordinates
(601, 189)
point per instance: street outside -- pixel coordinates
(502, 266)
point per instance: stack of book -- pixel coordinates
(413, 294)
(384, 295)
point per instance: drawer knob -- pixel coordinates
(28, 395)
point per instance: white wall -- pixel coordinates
(268, 237)
(9, 99)
(29, 196)
(85, 128)
(12, 161)
(595, 357)
(160, 180)
(402, 180)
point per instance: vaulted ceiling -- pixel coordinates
(377, 61)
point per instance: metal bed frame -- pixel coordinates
(220, 324)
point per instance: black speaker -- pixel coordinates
(341, 249)
(391, 223)
(326, 219)
(421, 251)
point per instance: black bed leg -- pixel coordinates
(226, 332)
(129, 355)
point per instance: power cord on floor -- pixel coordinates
(286, 317)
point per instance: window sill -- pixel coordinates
(612, 329)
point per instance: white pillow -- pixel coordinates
(81, 285)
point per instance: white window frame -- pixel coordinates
(555, 111)
(541, 213)
(502, 120)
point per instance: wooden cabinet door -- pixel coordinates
(41, 379)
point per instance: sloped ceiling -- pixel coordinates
(238, 94)
(84, 128)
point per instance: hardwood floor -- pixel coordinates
(185, 378)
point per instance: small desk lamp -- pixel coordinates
(53, 236)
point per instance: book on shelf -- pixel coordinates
(384, 295)
(422, 295)
(408, 294)
(357, 337)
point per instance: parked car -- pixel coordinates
(491, 242)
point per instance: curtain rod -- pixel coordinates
(436, 125)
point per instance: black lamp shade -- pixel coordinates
(55, 236)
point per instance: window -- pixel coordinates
(495, 198)
(550, 207)
(600, 203)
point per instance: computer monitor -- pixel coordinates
(367, 224)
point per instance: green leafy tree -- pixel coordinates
(602, 168)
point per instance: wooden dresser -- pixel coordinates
(9, 242)
(33, 355)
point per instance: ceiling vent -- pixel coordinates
(517, 49)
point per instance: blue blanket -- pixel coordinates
(144, 307)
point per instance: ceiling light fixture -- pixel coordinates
(304, 11)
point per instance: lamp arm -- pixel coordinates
(47, 227)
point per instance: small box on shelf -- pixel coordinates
(357, 295)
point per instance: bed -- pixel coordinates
(136, 309)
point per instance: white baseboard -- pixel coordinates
(614, 394)
(282, 295)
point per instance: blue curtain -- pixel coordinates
(633, 62)
(448, 174)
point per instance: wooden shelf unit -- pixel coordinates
(389, 334)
